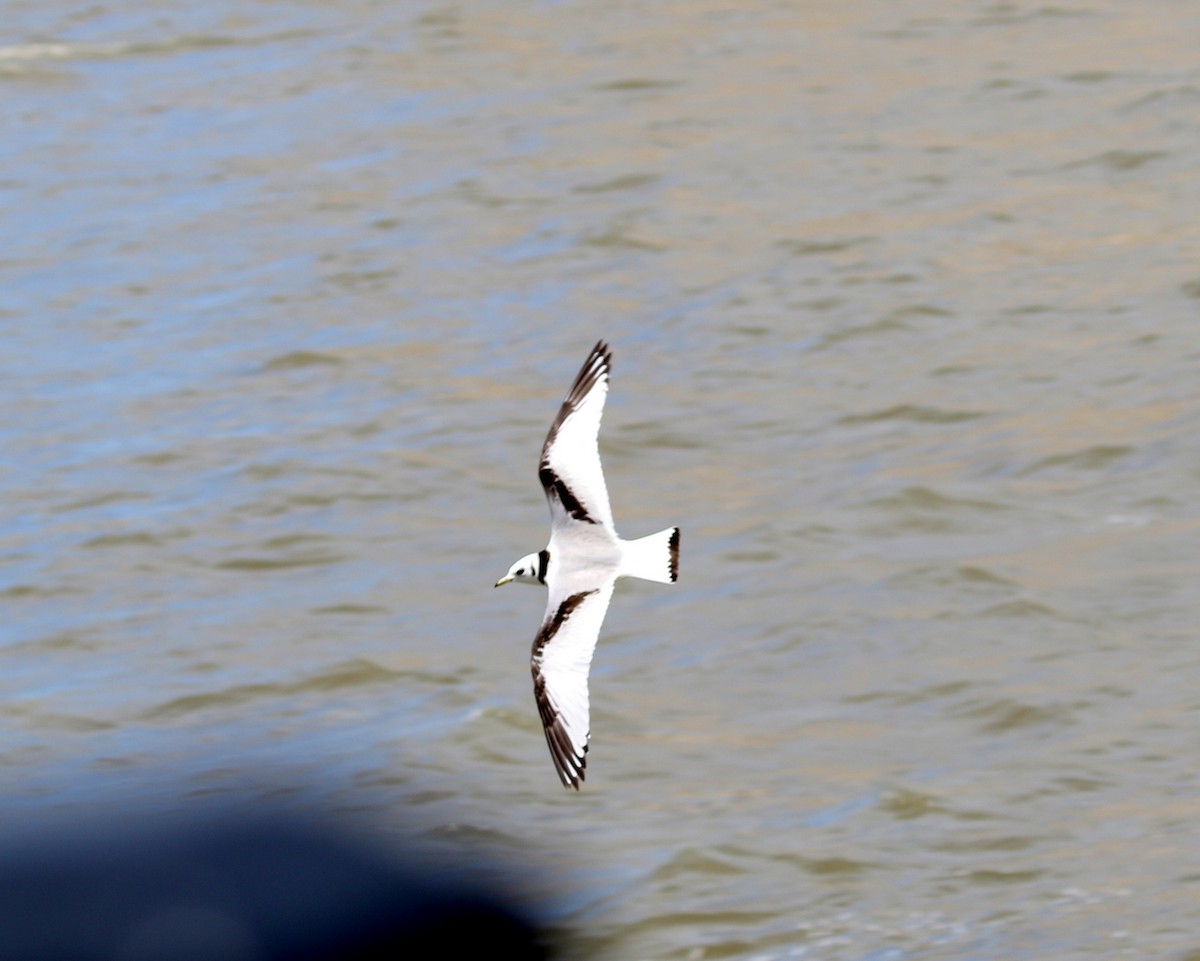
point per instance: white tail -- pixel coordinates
(653, 558)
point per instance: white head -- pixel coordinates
(530, 569)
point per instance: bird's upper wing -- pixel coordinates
(562, 655)
(570, 468)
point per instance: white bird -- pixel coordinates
(580, 565)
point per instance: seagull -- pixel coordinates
(580, 566)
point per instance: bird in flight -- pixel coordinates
(580, 566)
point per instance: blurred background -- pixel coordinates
(904, 300)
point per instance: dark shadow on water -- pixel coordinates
(247, 883)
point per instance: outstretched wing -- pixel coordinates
(562, 656)
(570, 467)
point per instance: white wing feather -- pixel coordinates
(570, 468)
(562, 657)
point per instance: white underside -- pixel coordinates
(599, 555)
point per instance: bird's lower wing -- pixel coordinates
(562, 656)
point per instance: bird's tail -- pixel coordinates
(653, 558)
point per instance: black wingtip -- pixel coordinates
(597, 367)
(675, 555)
(604, 351)
(579, 775)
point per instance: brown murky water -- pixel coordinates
(905, 306)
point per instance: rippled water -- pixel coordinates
(904, 305)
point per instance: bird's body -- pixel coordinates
(580, 566)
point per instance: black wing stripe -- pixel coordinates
(556, 487)
(552, 624)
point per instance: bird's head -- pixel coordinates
(526, 570)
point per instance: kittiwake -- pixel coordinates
(580, 565)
